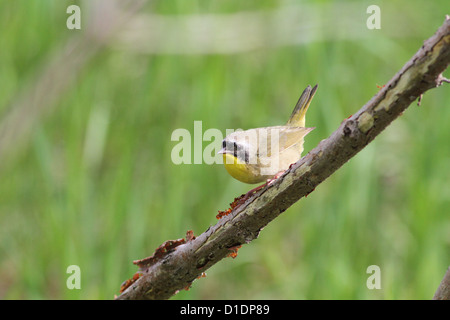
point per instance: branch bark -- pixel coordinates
(443, 291)
(176, 264)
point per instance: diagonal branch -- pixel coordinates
(176, 264)
(443, 291)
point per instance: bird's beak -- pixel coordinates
(223, 151)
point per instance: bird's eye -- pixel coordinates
(230, 145)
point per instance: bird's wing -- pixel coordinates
(280, 138)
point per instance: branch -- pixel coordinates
(176, 264)
(443, 291)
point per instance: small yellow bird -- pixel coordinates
(261, 154)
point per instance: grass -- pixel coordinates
(95, 185)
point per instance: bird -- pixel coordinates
(263, 154)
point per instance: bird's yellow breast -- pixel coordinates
(241, 170)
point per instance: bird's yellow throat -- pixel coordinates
(238, 169)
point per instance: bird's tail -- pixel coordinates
(297, 118)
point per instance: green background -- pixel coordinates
(92, 182)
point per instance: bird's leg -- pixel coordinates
(275, 177)
(268, 183)
(279, 174)
(251, 192)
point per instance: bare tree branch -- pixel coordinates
(443, 291)
(176, 264)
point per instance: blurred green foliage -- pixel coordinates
(94, 185)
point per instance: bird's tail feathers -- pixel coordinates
(297, 118)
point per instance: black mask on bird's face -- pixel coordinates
(237, 149)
